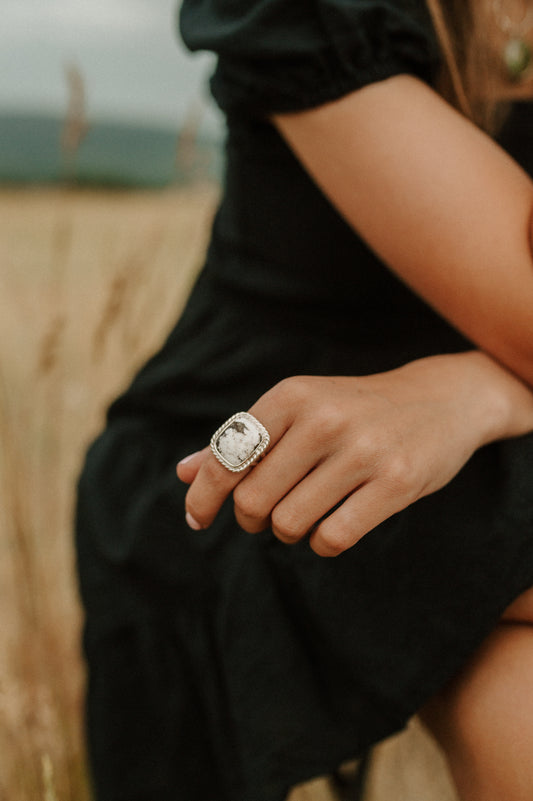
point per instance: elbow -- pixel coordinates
(517, 356)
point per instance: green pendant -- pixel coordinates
(517, 58)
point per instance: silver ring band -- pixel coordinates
(239, 442)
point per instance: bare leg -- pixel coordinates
(484, 718)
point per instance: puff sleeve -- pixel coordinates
(288, 55)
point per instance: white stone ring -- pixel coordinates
(239, 442)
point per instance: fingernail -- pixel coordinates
(191, 522)
(187, 458)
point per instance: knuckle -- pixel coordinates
(249, 502)
(332, 542)
(329, 417)
(337, 533)
(295, 388)
(399, 474)
(288, 524)
(328, 423)
(366, 448)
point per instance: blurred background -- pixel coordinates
(109, 169)
(111, 83)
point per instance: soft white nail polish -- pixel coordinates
(187, 458)
(191, 522)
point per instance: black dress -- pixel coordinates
(225, 666)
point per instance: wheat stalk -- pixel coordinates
(117, 265)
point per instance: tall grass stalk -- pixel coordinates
(91, 283)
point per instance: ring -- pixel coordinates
(239, 442)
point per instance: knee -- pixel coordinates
(484, 718)
(521, 610)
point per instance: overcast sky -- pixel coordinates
(127, 51)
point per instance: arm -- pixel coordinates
(437, 200)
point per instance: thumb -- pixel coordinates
(188, 467)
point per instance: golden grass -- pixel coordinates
(90, 283)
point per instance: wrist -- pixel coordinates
(509, 399)
(498, 404)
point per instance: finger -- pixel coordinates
(362, 511)
(187, 468)
(315, 497)
(282, 469)
(213, 482)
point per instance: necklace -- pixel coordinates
(517, 54)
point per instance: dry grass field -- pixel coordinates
(90, 282)
(89, 285)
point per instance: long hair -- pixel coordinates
(470, 77)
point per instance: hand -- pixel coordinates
(375, 443)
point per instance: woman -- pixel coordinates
(367, 297)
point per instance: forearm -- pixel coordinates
(441, 204)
